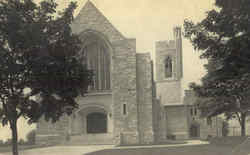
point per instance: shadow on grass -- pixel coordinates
(218, 146)
(208, 149)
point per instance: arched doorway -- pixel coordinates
(93, 124)
(195, 130)
(96, 123)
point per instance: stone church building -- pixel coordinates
(126, 104)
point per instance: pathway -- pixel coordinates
(81, 150)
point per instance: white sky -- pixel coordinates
(148, 21)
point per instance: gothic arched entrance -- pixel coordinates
(92, 124)
(96, 123)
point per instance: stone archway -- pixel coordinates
(92, 124)
(96, 123)
(92, 119)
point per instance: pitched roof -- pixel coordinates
(90, 18)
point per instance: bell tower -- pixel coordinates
(168, 66)
(169, 58)
(169, 73)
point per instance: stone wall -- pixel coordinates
(49, 128)
(102, 100)
(159, 121)
(48, 132)
(90, 18)
(169, 92)
(214, 129)
(124, 92)
(177, 121)
(144, 97)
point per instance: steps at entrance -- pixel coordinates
(90, 139)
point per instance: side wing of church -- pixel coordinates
(125, 105)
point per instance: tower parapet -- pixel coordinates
(169, 58)
(166, 44)
(177, 32)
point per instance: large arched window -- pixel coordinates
(97, 56)
(168, 67)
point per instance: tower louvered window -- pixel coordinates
(168, 67)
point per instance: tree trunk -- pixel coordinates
(243, 124)
(13, 126)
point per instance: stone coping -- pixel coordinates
(90, 134)
(167, 80)
(94, 93)
(47, 135)
(181, 132)
(173, 104)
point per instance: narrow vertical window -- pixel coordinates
(209, 121)
(195, 111)
(191, 111)
(124, 109)
(168, 67)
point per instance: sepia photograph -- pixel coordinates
(124, 77)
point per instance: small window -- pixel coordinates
(195, 111)
(168, 67)
(209, 121)
(124, 109)
(191, 111)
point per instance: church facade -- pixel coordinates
(126, 104)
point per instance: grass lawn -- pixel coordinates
(184, 150)
(20, 147)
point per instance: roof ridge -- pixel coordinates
(90, 5)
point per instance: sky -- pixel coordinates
(148, 21)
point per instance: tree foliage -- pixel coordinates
(40, 73)
(223, 37)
